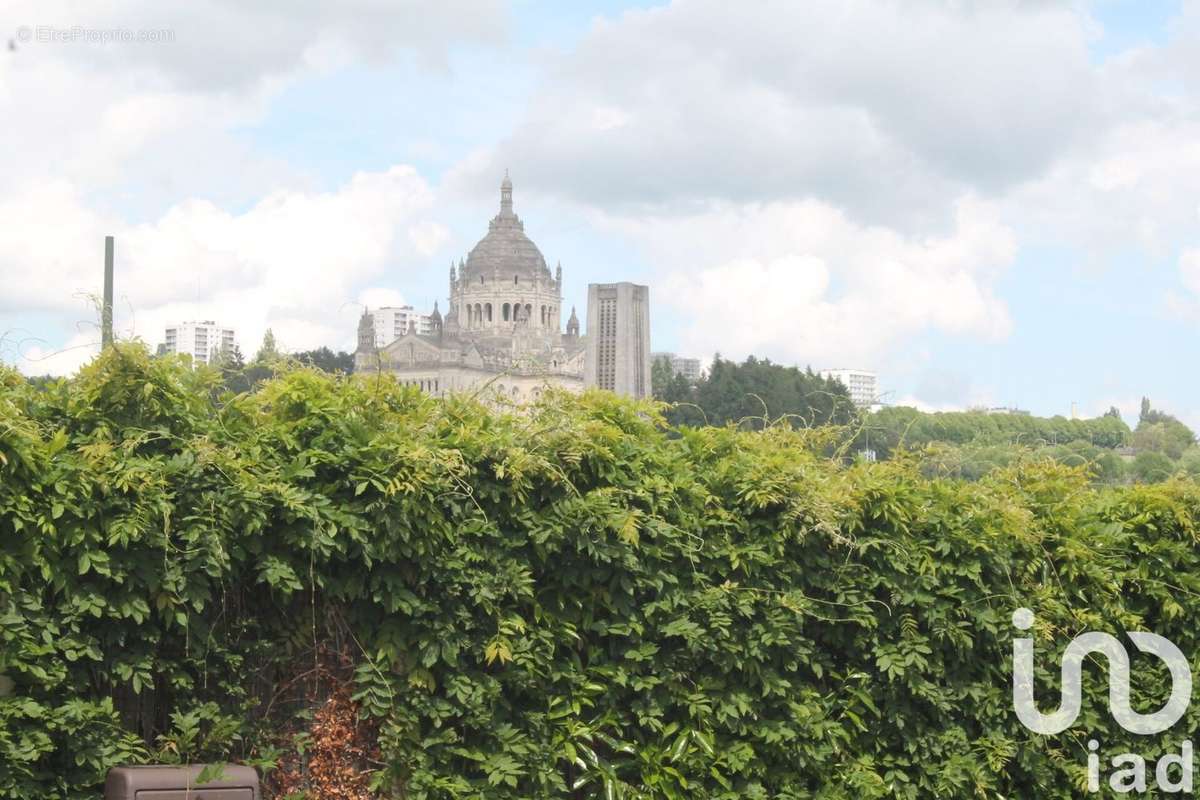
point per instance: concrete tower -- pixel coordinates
(618, 338)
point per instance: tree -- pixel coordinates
(1109, 469)
(660, 377)
(1190, 462)
(232, 366)
(267, 351)
(327, 360)
(42, 382)
(1152, 467)
(1159, 432)
(757, 391)
(229, 359)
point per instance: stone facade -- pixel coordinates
(502, 327)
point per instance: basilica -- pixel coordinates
(503, 327)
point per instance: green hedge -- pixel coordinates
(566, 601)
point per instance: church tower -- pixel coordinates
(618, 338)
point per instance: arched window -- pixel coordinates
(487, 311)
(481, 279)
(516, 280)
(504, 312)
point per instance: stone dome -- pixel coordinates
(505, 252)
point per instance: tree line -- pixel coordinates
(963, 444)
(755, 393)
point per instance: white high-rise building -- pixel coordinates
(200, 340)
(392, 322)
(681, 365)
(862, 385)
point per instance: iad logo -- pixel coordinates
(1132, 775)
(1118, 680)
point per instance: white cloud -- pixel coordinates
(1189, 269)
(377, 297)
(295, 261)
(142, 141)
(1134, 188)
(1184, 304)
(890, 111)
(220, 45)
(803, 283)
(39, 359)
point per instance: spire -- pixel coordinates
(453, 275)
(573, 324)
(435, 320)
(558, 274)
(506, 196)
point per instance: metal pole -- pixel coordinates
(106, 312)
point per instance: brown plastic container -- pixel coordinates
(179, 783)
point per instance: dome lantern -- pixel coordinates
(506, 196)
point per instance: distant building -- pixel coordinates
(618, 338)
(1001, 410)
(200, 340)
(863, 386)
(392, 322)
(680, 365)
(503, 326)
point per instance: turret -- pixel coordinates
(558, 275)
(573, 325)
(435, 320)
(366, 333)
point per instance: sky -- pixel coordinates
(993, 203)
